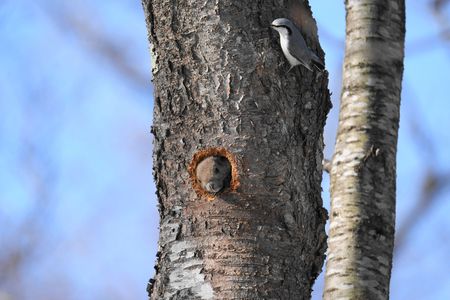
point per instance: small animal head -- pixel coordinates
(214, 173)
(283, 26)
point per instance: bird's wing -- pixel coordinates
(303, 54)
(317, 62)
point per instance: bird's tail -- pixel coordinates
(318, 64)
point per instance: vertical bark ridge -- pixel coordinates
(221, 81)
(363, 170)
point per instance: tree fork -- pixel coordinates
(221, 82)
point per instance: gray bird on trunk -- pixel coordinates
(294, 46)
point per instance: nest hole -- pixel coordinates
(213, 171)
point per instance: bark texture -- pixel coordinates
(363, 170)
(221, 81)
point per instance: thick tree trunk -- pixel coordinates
(363, 170)
(222, 88)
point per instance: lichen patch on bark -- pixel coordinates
(187, 274)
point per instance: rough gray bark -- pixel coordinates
(363, 172)
(221, 81)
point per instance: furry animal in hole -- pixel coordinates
(214, 173)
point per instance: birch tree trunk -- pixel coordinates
(222, 88)
(363, 172)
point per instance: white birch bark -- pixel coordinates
(363, 168)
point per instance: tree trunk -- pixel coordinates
(363, 169)
(222, 89)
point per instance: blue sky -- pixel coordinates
(75, 148)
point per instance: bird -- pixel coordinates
(294, 46)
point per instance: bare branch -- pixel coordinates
(434, 181)
(99, 42)
(437, 7)
(433, 184)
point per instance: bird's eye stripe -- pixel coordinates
(284, 26)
